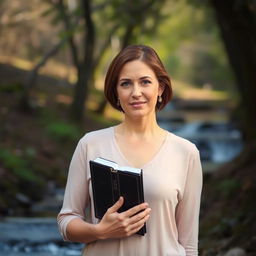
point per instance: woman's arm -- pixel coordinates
(76, 197)
(187, 212)
(112, 225)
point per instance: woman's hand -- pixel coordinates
(117, 225)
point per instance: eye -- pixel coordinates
(125, 83)
(145, 82)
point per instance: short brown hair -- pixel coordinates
(147, 55)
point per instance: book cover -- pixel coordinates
(110, 181)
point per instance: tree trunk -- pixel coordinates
(80, 93)
(86, 67)
(237, 22)
(128, 35)
(97, 59)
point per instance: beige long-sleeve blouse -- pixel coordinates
(172, 188)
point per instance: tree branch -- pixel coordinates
(42, 62)
(60, 7)
(104, 46)
(31, 81)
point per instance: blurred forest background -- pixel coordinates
(53, 58)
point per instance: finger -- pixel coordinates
(137, 217)
(135, 209)
(117, 205)
(138, 225)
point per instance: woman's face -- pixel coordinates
(138, 89)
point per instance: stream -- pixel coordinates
(34, 236)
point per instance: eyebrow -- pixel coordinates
(141, 78)
(145, 77)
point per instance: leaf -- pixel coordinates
(48, 11)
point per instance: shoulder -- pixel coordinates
(96, 136)
(182, 144)
(188, 152)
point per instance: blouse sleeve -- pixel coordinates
(187, 212)
(76, 195)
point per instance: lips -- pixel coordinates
(137, 104)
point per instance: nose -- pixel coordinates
(136, 91)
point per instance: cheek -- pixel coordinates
(123, 94)
(118, 91)
(152, 93)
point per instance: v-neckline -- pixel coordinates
(127, 161)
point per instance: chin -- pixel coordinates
(139, 113)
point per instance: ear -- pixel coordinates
(160, 89)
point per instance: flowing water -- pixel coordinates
(33, 236)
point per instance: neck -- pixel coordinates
(141, 127)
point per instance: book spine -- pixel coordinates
(141, 188)
(115, 186)
(143, 230)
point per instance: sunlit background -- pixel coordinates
(53, 59)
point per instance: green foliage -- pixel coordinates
(58, 128)
(18, 165)
(30, 152)
(225, 227)
(61, 130)
(10, 160)
(11, 88)
(68, 33)
(25, 174)
(228, 187)
(97, 118)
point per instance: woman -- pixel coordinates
(138, 85)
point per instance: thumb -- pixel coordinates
(117, 205)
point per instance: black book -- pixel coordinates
(110, 181)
